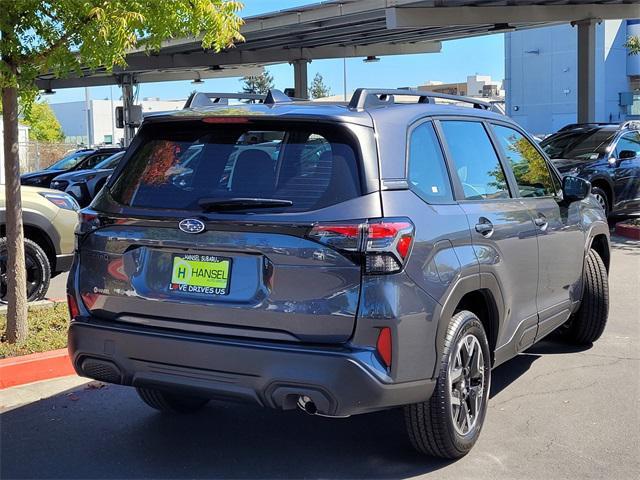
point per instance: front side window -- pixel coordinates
(475, 159)
(528, 165)
(184, 167)
(630, 142)
(428, 175)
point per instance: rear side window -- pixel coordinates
(475, 160)
(529, 167)
(177, 166)
(428, 175)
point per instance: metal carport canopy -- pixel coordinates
(347, 28)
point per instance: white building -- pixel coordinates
(541, 75)
(98, 126)
(23, 139)
(479, 86)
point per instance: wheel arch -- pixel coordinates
(600, 243)
(482, 303)
(607, 185)
(480, 294)
(39, 236)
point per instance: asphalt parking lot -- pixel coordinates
(58, 287)
(556, 412)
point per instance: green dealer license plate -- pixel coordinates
(200, 274)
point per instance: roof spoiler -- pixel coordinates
(364, 98)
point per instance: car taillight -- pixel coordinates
(74, 311)
(385, 243)
(346, 237)
(88, 220)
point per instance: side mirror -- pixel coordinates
(627, 155)
(575, 188)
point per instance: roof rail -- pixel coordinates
(207, 99)
(204, 99)
(369, 97)
(276, 96)
(571, 126)
(631, 124)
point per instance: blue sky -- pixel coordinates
(458, 58)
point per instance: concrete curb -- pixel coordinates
(34, 367)
(47, 302)
(628, 231)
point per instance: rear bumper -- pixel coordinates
(338, 380)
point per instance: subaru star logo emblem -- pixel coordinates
(191, 225)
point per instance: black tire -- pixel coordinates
(587, 324)
(171, 402)
(38, 270)
(430, 424)
(602, 198)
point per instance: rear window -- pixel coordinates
(178, 166)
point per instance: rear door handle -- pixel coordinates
(484, 227)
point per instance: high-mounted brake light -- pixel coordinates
(385, 243)
(225, 120)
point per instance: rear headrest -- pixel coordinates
(253, 173)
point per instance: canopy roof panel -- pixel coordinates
(348, 28)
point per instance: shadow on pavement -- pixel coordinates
(110, 433)
(510, 371)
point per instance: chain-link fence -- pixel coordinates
(36, 155)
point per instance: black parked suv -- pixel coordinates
(83, 185)
(608, 155)
(78, 160)
(338, 258)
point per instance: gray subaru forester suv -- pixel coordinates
(339, 258)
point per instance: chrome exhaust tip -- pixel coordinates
(307, 405)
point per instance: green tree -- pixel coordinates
(61, 37)
(633, 45)
(44, 124)
(318, 89)
(258, 83)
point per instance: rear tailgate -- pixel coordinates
(251, 271)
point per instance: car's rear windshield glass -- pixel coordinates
(69, 161)
(183, 165)
(589, 145)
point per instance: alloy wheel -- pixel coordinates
(34, 275)
(601, 200)
(466, 384)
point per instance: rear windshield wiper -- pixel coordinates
(222, 204)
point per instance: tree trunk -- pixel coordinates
(16, 276)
